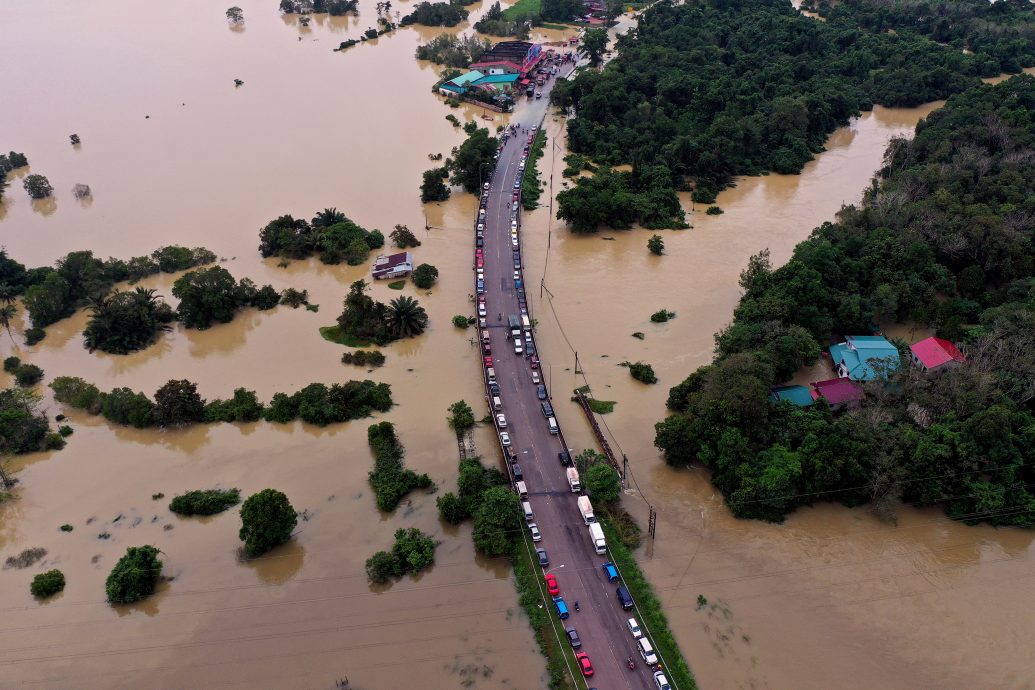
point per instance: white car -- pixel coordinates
(514, 242)
(535, 378)
(513, 225)
(505, 439)
(501, 421)
(481, 310)
(517, 275)
(534, 529)
(481, 322)
(518, 349)
(485, 186)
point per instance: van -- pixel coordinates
(526, 507)
(552, 423)
(647, 652)
(624, 598)
(634, 628)
(497, 404)
(522, 490)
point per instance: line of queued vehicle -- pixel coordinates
(524, 345)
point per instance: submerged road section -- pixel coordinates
(535, 450)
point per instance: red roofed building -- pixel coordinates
(936, 354)
(392, 266)
(838, 392)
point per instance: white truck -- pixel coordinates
(596, 535)
(586, 508)
(573, 480)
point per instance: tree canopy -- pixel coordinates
(134, 576)
(267, 520)
(330, 234)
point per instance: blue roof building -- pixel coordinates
(460, 84)
(865, 357)
(796, 395)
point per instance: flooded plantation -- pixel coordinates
(175, 154)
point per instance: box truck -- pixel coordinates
(573, 480)
(596, 535)
(586, 508)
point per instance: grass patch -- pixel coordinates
(555, 27)
(530, 188)
(335, 335)
(397, 285)
(523, 8)
(540, 616)
(602, 406)
(648, 609)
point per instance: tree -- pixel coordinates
(403, 238)
(27, 375)
(594, 42)
(434, 188)
(235, 15)
(205, 501)
(461, 321)
(405, 317)
(47, 584)
(178, 403)
(48, 301)
(656, 245)
(451, 508)
(642, 372)
(383, 567)
(267, 520)
(206, 295)
(496, 521)
(424, 276)
(37, 186)
(123, 322)
(134, 576)
(23, 428)
(473, 159)
(603, 483)
(7, 313)
(461, 416)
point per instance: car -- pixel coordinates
(535, 377)
(514, 206)
(481, 323)
(660, 681)
(481, 286)
(481, 214)
(480, 227)
(573, 637)
(494, 388)
(610, 571)
(501, 421)
(479, 242)
(533, 362)
(634, 628)
(505, 439)
(517, 184)
(582, 659)
(479, 253)
(551, 585)
(517, 261)
(481, 310)
(513, 225)
(624, 598)
(540, 391)
(485, 186)
(513, 242)
(547, 409)
(565, 457)
(488, 361)
(562, 608)
(521, 165)
(517, 275)
(514, 196)
(544, 560)
(518, 285)
(536, 534)
(516, 469)
(539, 94)
(479, 262)
(518, 348)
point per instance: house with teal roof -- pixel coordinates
(800, 396)
(864, 357)
(459, 85)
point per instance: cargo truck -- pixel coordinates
(573, 480)
(596, 535)
(586, 508)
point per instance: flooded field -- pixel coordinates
(176, 155)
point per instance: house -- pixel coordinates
(840, 392)
(509, 57)
(935, 354)
(864, 357)
(796, 395)
(392, 266)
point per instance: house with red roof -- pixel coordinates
(935, 354)
(839, 392)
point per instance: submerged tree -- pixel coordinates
(38, 186)
(235, 15)
(123, 322)
(405, 317)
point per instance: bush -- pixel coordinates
(135, 575)
(656, 245)
(129, 408)
(293, 298)
(389, 479)
(47, 584)
(65, 431)
(382, 567)
(424, 276)
(412, 552)
(642, 372)
(461, 416)
(11, 364)
(363, 358)
(178, 403)
(205, 501)
(662, 316)
(27, 375)
(451, 509)
(267, 520)
(243, 407)
(77, 393)
(714, 211)
(37, 186)
(34, 335)
(603, 483)
(461, 321)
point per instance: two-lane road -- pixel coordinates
(601, 622)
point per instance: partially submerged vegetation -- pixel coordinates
(205, 501)
(267, 521)
(390, 480)
(24, 427)
(435, 14)
(135, 575)
(331, 235)
(412, 552)
(935, 243)
(364, 319)
(453, 51)
(709, 91)
(178, 403)
(531, 188)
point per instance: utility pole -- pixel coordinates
(5, 481)
(652, 523)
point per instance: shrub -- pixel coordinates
(178, 403)
(603, 483)
(293, 298)
(243, 407)
(205, 501)
(656, 245)
(460, 321)
(424, 276)
(714, 211)
(363, 358)
(65, 431)
(135, 575)
(412, 552)
(642, 372)
(37, 186)
(267, 520)
(34, 335)
(67, 527)
(382, 567)
(461, 416)
(47, 584)
(11, 364)
(662, 316)
(389, 479)
(451, 509)
(28, 375)
(129, 408)
(53, 441)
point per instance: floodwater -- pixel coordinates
(175, 154)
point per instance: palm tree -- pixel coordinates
(7, 294)
(328, 217)
(406, 318)
(7, 312)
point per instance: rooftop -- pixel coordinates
(796, 395)
(860, 354)
(506, 51)
(471, 76)
(934, 352)
(837, 391)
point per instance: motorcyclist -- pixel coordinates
(576, 604)
(499, 316)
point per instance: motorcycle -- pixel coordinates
(576, 604)
(632, 664)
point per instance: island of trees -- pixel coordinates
(942, 239)
(330, 235)
(365, 320)
(435, 14)
(708, 91)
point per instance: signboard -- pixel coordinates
(531, 56)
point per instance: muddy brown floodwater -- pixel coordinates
(830, 599)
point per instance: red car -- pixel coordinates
(478, 252)
(534, 361)
(488, 361)
(480, 262)
(583, 661)
(551, 585)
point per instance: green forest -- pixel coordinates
(706, 91)
(942, 238)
